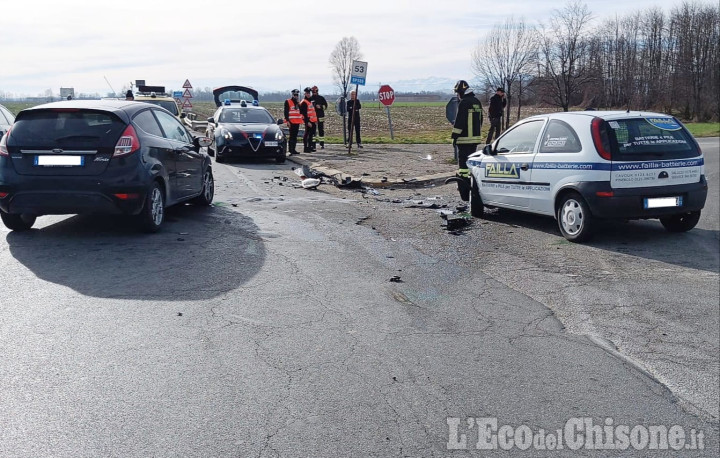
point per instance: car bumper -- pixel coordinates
(239, 151)
(630, 203)
(51, 197)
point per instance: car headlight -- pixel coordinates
(279, 135)
(226, 134)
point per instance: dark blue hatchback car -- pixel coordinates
(103, 157)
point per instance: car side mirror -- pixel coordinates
(182, 115)
(211, 120)
(488, 150)
(202, 141)
(280, 121)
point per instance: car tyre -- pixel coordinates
(208, 190)
(574, 218)
(18, 221)
(153, 213)
(280, 159)
(680, 223)
(477, 209)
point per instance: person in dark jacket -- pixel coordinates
(353, 113)
(468, 122)
(320, 107)
(293, 118)
(495, 113)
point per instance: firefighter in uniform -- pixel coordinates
(307, 110)
(320, 107)
(293, 118)
(466, 130)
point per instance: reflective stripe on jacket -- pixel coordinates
(468, 122)
(294, 116)
(312, 116)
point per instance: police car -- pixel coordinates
(245, 130)
(583, 166)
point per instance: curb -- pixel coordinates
(438, 178)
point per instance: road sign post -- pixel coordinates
(386, 95)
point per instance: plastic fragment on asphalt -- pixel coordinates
(310, 183)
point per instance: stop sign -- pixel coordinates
(386, 95)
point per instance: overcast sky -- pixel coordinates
(269, 45)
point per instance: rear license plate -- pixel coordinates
(271, 143)
(662, 202)
(59, 161)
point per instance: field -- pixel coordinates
(413, 122)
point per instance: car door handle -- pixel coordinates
(524, 166)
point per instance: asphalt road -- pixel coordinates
(268, 326)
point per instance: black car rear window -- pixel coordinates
(650, 139)
(66, 128)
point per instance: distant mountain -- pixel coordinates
(430, 84)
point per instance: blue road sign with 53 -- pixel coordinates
(359, 72)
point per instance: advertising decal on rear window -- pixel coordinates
(664, 123)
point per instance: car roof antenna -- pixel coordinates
(108, 83)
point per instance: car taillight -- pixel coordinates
(602, 145)
(127, 144)
(3, 144)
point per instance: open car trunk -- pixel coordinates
(234, 94)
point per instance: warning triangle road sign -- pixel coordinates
(187, 104)
(187, 94)
(187, 84)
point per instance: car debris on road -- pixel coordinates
(312, 178)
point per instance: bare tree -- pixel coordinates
(341, 58)
(654, 75)
(562, 66)
(614, 54)
(697, 33)
(506, 54)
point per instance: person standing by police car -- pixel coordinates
(293, 118)
(320, 106)
(307, 110)
(466, 129)
(495, 113)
